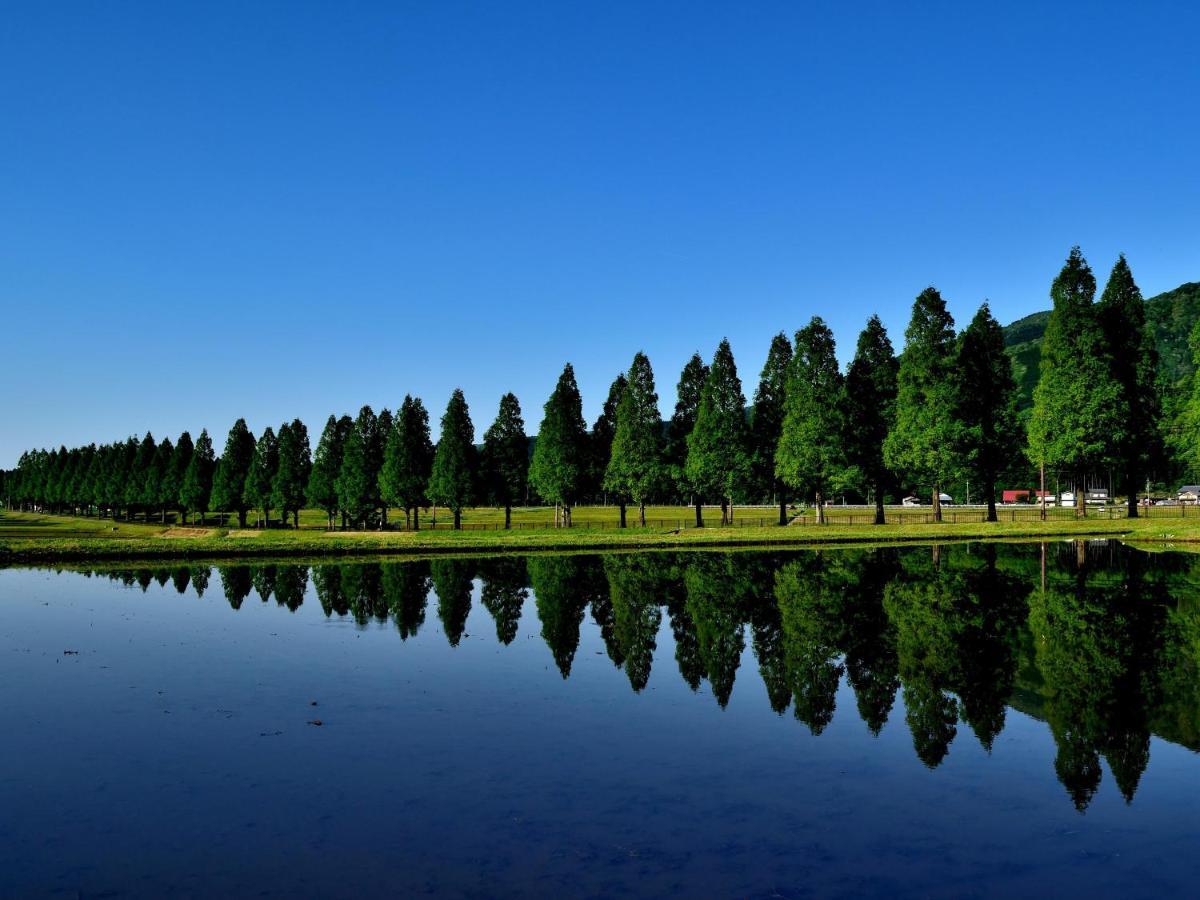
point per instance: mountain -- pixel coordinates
(1171, 316)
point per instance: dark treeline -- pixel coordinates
(951, 630)
(943, 412)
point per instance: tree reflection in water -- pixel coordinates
(1104, 646)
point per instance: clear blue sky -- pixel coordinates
(272, 210)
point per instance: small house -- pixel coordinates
(1189, 493)
(1029, 496)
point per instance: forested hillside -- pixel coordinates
(1171, 315)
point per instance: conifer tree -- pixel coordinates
(683, 420)
(292, 473)
(635, 469)
(355, 487)
(1076, 401)
(559, 456)
(718, 459)
(408, 459)
(601, 438)
(505, 461)
(229, 481)
(871, 408)
(1137, 441)
(811, 454)
(377, 448)
(766, 421)
(177, 471)
(327, 464)
(158, 491)
(137, 492)
(195, 494)
(926, 439)
(987, 404)
(263, 466)
(452, 481)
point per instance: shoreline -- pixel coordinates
(340, 545)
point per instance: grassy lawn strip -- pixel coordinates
(48, 539)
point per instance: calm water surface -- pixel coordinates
(973, 720)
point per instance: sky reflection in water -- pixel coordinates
(973, 719)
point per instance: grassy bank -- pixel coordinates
(50, 539)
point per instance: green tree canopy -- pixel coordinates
(1076, 404)
(408, 458)
(924, 444)
(718, 459)
(636, 469)
(987, 404)
(261, 476)
(601, 438)
(327, 465)
(1137, 444)
(452, 481)
(683, 421)
(559, 456)
(293, 471)
(766, 421)
(229, 481)
(195, 493)
(811, 454)
(871, 409)
(505, 458)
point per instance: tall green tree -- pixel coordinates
(408, 459)
(229, 481)
(159, 487)
(683, 420)
(925, 442)
(261, 476)
(718, 459)
(327, 465)
(601, 438)
(172, 485)
(1076, 404)
(766, 421)
(1138, 442)
(635, 468)
(140, 489)
(505, 460)
(355, 487)
(559, 463)
(196, 491)
(292, 473)
(987, 404)
(871, 409)
(452, 481)
(811, 455)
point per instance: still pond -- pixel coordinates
(974, 720)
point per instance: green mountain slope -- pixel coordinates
(1171, 315)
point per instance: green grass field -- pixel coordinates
(26, 537)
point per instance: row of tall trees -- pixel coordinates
(942, 411)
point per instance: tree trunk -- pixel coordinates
(642, 514)
(1080, 504)
(507, 516)
(458, 519)
(383, 518)
(416, 523)
(937, 503)
(621, 508)
(724, 512)
(880, 518)
(820, 509)
(241, 518)
(783, 520)
(433, 517)
(1132, 480)
(699, 515)
(990, 487)
(1042, 491)
(730, 511)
